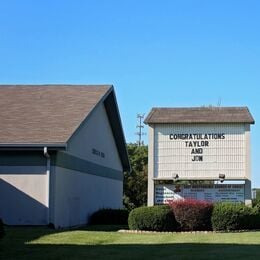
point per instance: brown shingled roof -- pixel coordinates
(45, 113)
(33, 116)
(200, 115)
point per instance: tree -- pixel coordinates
(135, 182)
(256, 200)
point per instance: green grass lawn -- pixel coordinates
(44, 243)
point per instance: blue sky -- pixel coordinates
(155, 53)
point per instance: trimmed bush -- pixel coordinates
(256, 203)
(255, 218)
(192, 214)
(232, 216)
(109, 217)
(155, 218)
(2, 231)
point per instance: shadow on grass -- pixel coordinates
(27, 233)
(103, 228)
(135, 251)
(14, 246)
(21, 234)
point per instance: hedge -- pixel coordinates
(192, 214)
(155, 218)
(2, 231)
(232, 216)
(109, 217)
(256, 203)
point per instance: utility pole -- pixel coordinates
(140, 127)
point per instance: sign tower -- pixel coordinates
(207, 149)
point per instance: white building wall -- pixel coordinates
(220, 156)
(79, 192)
(150, 191)
(73, 192)
(95, 133)
(24, 195)
(78, 195)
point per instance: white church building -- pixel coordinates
(62, 153)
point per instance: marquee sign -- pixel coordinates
(199, 151)
(197, 142)
(213, 193)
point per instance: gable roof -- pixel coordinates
(200, 115)
(48, 115)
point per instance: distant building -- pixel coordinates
(253, 193)
(256, 193)
(199, 144)
(62, 153)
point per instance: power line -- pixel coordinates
(140, 127)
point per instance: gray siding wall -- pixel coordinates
(24, 194)
(95, 133)
(88, 175)
(78, 195)
(84, 178)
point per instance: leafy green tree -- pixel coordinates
(256, 201)
(258, 194)
(135, 182)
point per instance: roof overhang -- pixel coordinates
(199, 115)
(112, 110)
(32, 147)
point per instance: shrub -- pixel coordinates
(109, 217)
(192, 214)
(233, 216)
(155, 218)
(256, 203)
(254, 218)
(2, 231)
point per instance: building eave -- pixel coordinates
(33, 147)
(112, 110)
(111, 107)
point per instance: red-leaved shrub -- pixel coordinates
(192, 214)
